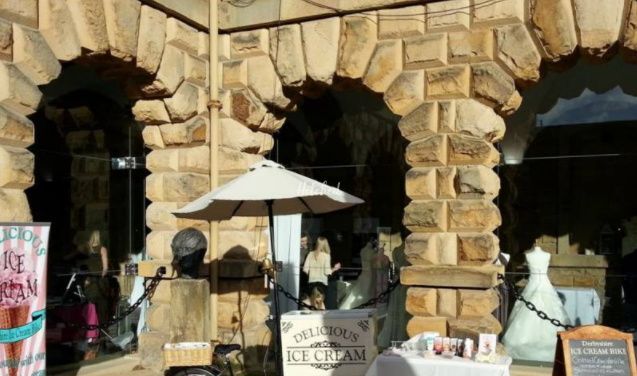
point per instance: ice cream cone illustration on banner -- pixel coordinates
(13, 317)
(18, 289)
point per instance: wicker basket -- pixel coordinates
(187, 354)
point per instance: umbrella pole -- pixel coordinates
(277, 313)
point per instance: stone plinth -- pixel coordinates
(190, 310)
(150, 350)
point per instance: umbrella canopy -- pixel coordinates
(268, 189)
(246, 196)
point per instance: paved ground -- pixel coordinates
(122, 365)
(518, 370)
(125, 366)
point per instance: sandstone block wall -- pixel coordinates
(451, 74)
(437, 72)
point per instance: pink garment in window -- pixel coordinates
(89, 313)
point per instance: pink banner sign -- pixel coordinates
(23, 259)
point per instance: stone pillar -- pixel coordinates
(250, 88)
(19, 97)
(16, 134)
(176, 131)
(452, 215)
(158, 323)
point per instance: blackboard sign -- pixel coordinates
(594, 351)
(599, 357)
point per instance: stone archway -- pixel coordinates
(450, 69)
(430, 79)
(162, 64)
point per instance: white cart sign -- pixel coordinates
(330, 343)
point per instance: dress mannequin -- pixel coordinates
(364, 287)
(380, 264)
(527, 336)
(394, 327)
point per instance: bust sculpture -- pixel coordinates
(189, 247)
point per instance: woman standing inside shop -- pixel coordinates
(96, 285)
(91, 257)
(97, 254)
(318, 266)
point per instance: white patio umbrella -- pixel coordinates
(268, 189)
(248, 196)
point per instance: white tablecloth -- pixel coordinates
(581, 304)
(416, 365)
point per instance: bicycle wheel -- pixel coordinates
(196, 371)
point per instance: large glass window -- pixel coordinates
(568, 188)
(89, 183)
(350, 140)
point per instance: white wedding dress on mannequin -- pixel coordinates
(527, 336)
(364, 287)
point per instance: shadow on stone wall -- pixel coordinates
(243, 311)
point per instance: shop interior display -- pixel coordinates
(527, 336)
(323, 140)
(395, 323)
(366, 285)
(84, 128)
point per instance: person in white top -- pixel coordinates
(318, 265)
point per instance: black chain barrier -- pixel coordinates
(373, 301)
(149, 290)
(293, 298)
(381, 296)
(152, 286)
(530, 306)
(369, 303)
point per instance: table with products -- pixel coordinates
(412, 363)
